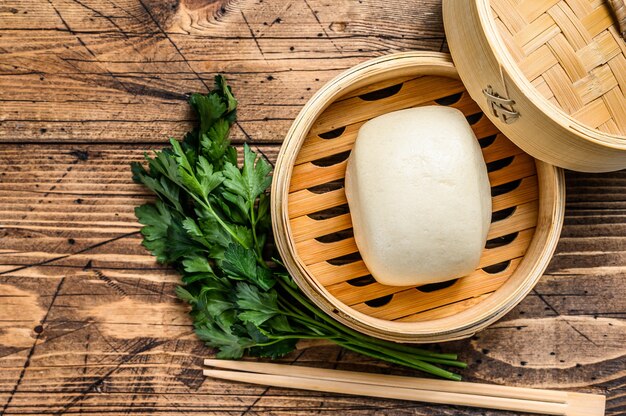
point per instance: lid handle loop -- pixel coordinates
(501, 107)
(619, 10)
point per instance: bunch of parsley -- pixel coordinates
(211, 221)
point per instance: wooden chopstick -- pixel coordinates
(393, 381)
(407, 388)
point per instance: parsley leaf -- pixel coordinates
(251, 180)
(241, 264)
(275, 350)
(162, 186)
(257, 307)
(229, 345)
(210, 106)
(195, 264)
(156, 220)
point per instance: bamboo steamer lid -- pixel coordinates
(550, 74)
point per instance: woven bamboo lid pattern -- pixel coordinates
(550, 74)
(572, 53)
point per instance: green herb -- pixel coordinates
(211, 221)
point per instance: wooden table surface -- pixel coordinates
(89, 323)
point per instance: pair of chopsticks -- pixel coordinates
(547, 402)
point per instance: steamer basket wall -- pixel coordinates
(312, 223)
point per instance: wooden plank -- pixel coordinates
(134, 62)
(90, 323)
(104, 294)
(73, 200)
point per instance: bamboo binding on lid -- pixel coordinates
(312, 223)
(557, 66)
(619, 9)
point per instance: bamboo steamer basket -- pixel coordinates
(312, 224)
(550, 74)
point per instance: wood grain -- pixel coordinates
(133, 61)
(92, 321)
(89, 323)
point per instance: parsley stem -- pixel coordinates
(416, 364)
(450, 363)
(296, 336)
(334, 336)
(287, 306)
(357, 335)
(412, 355)
(257, 249)
(314, 325)
(207, 205)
